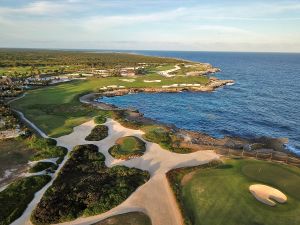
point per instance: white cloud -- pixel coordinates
(102, 22)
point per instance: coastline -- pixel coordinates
(195, 140)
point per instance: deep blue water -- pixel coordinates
(264, 101)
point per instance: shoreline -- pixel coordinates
(191, 138)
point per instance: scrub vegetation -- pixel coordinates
(98, 133)
(15, 198)
(40, 166)
(45, 148)
(85, 187)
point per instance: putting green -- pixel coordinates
(221, 195)
(127, 147)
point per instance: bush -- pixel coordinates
(45, 148)
(15, 198)
(98, 133)
(99, 119)
(40, 166)
(85, 186)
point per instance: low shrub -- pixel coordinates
(40, 166)
(85, 187)
(15, 198)
(98, 133)
(45, 148)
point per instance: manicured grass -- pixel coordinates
(85, 187)
(127, 147)
(40, 166)
(14, 152)
(98, 133)
(131, 218)
(221, 195)
(15, 198)
(56, 109)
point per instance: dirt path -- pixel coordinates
(155, 197)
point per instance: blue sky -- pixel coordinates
(215, 25)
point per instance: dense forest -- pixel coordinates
(35, 58)
(85, 186)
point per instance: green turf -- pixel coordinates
(126, 147)
(56, 109)
(221, 195)
(131, 218)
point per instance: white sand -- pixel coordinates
(166, 73)
(267, 194)
(127, 80)
(152, 81)
(154, 197)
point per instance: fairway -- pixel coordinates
(221, 195)
(56, 109)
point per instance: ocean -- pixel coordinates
(264, 101)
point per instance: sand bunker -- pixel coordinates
(266, 194)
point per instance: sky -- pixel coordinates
(185, 25)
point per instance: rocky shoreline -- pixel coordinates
(193, 140)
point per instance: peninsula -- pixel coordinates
(71, 159)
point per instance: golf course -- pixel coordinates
(56, 109)
(219, 193)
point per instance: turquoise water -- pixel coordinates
(264, 101)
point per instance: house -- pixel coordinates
(102, 73)
(127, 72)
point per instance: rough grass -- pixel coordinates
(164, 137)
(14, 152)
(215, 195)
(131, 218)
(45, 148)
(15, 198)
(98, 133)
(56, 109)
(127, 147)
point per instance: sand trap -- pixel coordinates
(266, 194)
(152, 81)
(127, 80)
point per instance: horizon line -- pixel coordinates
(150, 50)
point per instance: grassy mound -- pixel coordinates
(100, 119)
(85, 186)
(40, 166)
(131, 218)
(127, 147)
(15, 198)
(164, 137)
(221, 193)
(98, 133)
